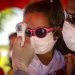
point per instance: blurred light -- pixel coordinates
(3, 53)
(10, 24)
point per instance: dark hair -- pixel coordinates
(53, 11)
(12, 35)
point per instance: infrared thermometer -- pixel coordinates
(20, 28)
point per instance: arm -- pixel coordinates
(21, 57)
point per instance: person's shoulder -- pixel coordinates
(57, 52)
(59, 59)
(59, 56)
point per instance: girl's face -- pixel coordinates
(39, 26)
(35, 20)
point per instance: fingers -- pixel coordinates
(17, 44)
(73, 58)
(19, 65)
(18, 41)
(68, 58)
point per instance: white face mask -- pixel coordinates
(43, 45)
(69, 35)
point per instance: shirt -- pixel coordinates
(55, 67)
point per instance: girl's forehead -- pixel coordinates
(36, 14)
(36, 20)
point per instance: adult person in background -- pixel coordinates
(37, 56)
(69, 36)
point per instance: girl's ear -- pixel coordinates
(57, 33)
(55, 37)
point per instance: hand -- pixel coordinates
(21, 56)
(73, 58)
(69, 63)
